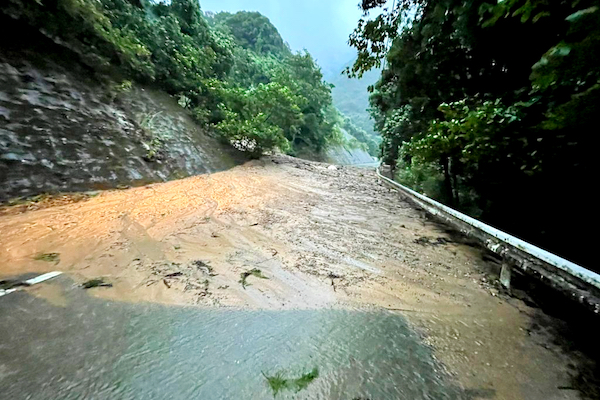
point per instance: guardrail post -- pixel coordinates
(578, 282)
(505, 274)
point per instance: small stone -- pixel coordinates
(10, 157)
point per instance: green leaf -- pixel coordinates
(577, 15)
(485, 8)
(540, 15)
(562, 50)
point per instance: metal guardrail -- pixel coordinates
(579, 282)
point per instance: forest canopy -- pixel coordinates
(234, 72)
(489, 107)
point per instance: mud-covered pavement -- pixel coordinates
(322, 238)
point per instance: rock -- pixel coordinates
(10, 157)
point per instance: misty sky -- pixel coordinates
(320, 26)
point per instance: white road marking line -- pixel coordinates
(7, 291)
(32, 281)
(42, 278)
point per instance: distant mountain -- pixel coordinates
(351, 97)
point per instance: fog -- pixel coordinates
(320, 26)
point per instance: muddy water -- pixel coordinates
(83, 347)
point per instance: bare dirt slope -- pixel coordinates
(323, 238)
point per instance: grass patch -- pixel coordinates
(278, 382)
(48, 257)
(253, 272)
(32, 199)
(98, 282)
(305, 380)
(204, 267)
(22, 204)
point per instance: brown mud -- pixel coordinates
(322, 238)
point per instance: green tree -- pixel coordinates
(253, 31)
(502, 97)
(233, 72)
(262, 118)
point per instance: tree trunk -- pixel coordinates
(447, 180)
(454, 175)
(393, 157)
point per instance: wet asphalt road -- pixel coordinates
(82, 347)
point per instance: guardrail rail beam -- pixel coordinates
(579, 283)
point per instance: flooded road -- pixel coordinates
(97, 349)
(304, 253)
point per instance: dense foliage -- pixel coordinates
(489, 106)
(232, 71)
